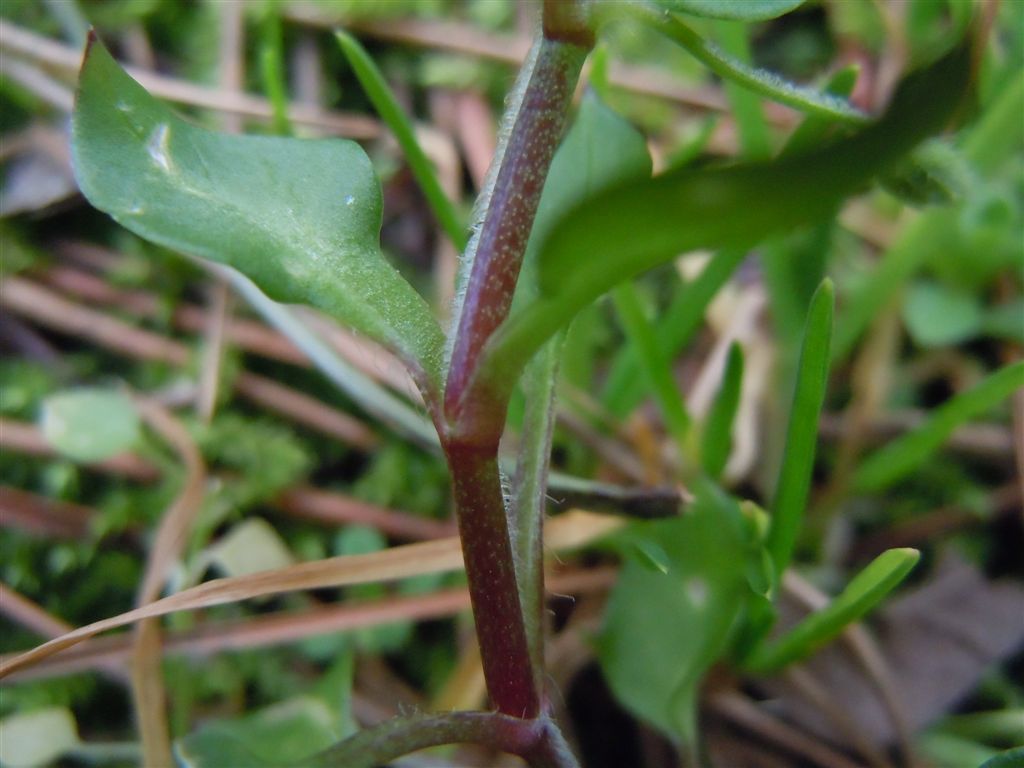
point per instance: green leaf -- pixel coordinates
(674, 330)
(760, 81)
(301, 218)
(937, 316)
(582, 167)
(633, 227)
(662, 630)
(929, 234)
(752, 130)
(906, 453)
(90, 424)
(716, 440)
(656, 368)
(934, 173)
(387, 107)
(1004, 321)
(861, 595)
(794, 481)
(273, 73)
(1011, 758)
(651, 555)
(814, 128)
(944, 750)
(37, 738)
(278, 735)
(739, 10)
(385, 638)
(249, 547)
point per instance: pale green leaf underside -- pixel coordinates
(739, 10)
(301, 218)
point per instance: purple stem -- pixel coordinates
(506, 226)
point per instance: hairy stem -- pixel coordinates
(471, 440)
(490, 571)
(506, 225)
(538, 741)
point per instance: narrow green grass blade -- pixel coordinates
(905, 454)
(802, 435)
(999, 130)
(655, 366)
(927, 235)
(716, 442)
(384, 102)
(272, 70)
(794, 266)
(675, 329)
(747, 110)
(861, 595)
(760, 81)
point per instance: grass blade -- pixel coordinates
(905, 454)
(924, 237)
(716, 441)
(754, 134)
(655, 365)
(384, 102)
(674, 331)
(802, 434)
(272, 71)
(861, 595)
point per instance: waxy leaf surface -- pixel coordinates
(299, 217)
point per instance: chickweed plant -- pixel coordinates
(570, 212)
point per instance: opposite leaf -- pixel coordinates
(301, 218)
(634, 227)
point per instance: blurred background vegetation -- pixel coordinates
(928, 266)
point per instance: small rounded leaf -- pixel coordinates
(90, 424)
